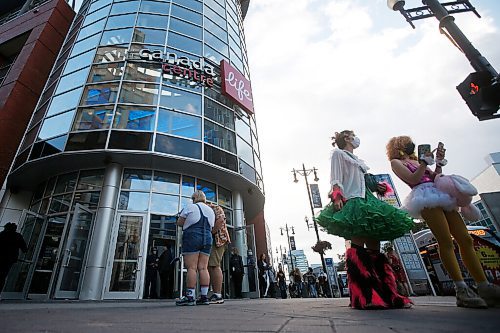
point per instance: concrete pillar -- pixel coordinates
(93, 280)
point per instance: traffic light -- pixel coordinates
(481, 92)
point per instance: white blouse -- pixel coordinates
(347, 172)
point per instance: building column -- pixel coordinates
(93, 280)
(240, 241)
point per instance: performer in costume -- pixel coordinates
(439, 210)
(356, 214)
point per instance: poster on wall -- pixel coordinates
(489, 256)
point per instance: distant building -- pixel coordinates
(488, 199)
(300, 260)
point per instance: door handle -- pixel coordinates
(68, 258)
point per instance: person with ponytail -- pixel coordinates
(357, 215)
(436, 199)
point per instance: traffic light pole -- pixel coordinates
(477, 60)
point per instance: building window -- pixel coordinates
(87, 141)
(181, 100)
(139, 93)
(120, 36)
(219, 136)
(179, 124)
(106, 72)
(219, 114)
(221, 158)
(149, 36)
(134, 118)
(176, 146)
(130, 140)
(100, 94)
(149, 72)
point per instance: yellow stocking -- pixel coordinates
(437, 222)
(465, 243)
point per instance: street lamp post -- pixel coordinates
(288, 239)
(306, 172)
(489, 88)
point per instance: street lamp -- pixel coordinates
(288, 238)
(306, 172)
(481, 89)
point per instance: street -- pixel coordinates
(430, 314)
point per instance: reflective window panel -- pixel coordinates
(171, 122)
(164, 182)
(176, 146)
(87, 141)
(130, 140)
(100, 94)
(180, 100)
(134, 118)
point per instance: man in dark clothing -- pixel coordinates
(151, 274)
(166, 273)
(237, 271)
(10, 243)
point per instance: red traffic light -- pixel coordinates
(481, 92)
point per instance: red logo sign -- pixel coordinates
(236, 86)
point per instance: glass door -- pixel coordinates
(18, 281)
(126, 259)
(47, 257)
(74, 254)
(251, 264)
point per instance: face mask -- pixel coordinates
(355, 142)
(410, 148)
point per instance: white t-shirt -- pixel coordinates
(192, 214)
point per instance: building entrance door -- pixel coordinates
(74, 254)
(18, 281)
(251, 264)
(124, 279)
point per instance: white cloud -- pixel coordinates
(322, 66)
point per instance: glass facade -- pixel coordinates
(131, 122)
(103, 95)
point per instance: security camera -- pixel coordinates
(395, 4)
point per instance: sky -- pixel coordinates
(321, 66)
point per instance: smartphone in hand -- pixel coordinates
(423, 151)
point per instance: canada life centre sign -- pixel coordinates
(234, 84)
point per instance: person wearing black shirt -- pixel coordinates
(10, 243)
(166, 271)
(151, 274)
(237, 271)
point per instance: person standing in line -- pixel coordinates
(282, 282)
(151, 278)
(263, 267)
(439, 210)
(357, 215)
(10, 243)
(197, 221)
(165, 268)
(219, 245)
(237, 271)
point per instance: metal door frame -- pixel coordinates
(60, 264)
(22, 294)
(141, 263)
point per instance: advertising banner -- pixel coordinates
(292, 243)
(489, 256)
(316, 196)
(405, 245)
(330, 271)
(236, 86)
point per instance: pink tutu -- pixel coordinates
(426, 195)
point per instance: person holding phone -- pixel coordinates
(357, 215)
(439, 210)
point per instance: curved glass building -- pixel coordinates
(147, 101)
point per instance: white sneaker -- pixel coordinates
(490, 293)
(467, 298)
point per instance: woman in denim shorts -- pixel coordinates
(197, 220)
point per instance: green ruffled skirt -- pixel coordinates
(368, 217)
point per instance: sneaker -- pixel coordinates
(467, 298)
(491, 294)
(203, 300)
(216, 300)
(185, 301)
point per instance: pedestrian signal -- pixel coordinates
(481, 92)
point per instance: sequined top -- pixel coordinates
(426, 178)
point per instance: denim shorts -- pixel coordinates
(196, 240)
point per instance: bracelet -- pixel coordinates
(337, 193)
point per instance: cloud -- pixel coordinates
(322, 66)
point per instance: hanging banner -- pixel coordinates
(316, 196)
(292, 243)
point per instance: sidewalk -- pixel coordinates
(430, 314)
